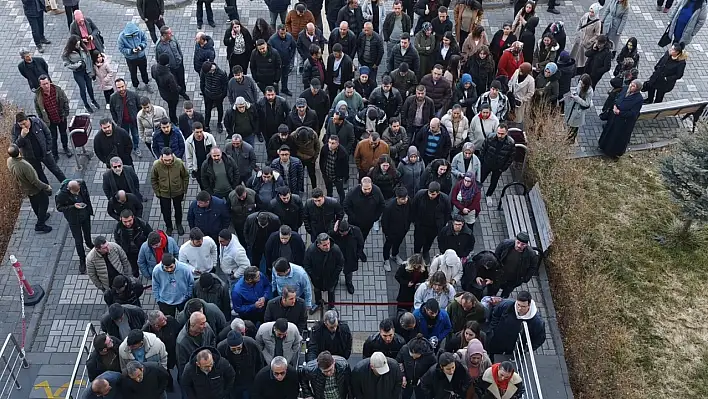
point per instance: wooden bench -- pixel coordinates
(685, 108)
(540, 217)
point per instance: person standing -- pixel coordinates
(85, 29)
(74, 202)
(519, 263)
(320, 213)
(167, 136)
(170, 181)
(111, 142)
(284, 43)
(687, 19)
(266, 66)
(250, 295)
(431, 210)
(29, 183)
(213, 84)
(130, 233)
(104, 263)
(291, 170)
(245, 358)
(77, 59)
(197, 147)
(210, 214)
(395, 223)
(258, 227)
(244, 155)
(618, 129)
(152, 11)
(144, 380)
(667, 71)
(589, 28)
(52, 105)
(323, 263)
(172, 284)
(364, 205)
(370, 49)
(33, 138)
(209, 13)
(34, 12)
(239, 45)
(273, 111)
(124, 291)
(32, 68)
(132, 43)
(334, 164)
(125, 105)
(325, 377)
(166, 329)
(351, 243)
(121, 201)
(496, 155)
(395, 25)
(120, 177)
(378, 377)
(220, 174)
(169, 46)
(188, 118)
(207, 374)
(576, 104)
(340, 69)
(352, 14)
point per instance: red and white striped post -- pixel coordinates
(32, 293)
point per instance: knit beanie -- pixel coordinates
(364, 70)
(466, 78)
(164, 59)
(552, 67)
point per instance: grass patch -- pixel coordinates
(632, 307)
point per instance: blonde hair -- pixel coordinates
(415, 262)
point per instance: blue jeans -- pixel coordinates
(37, 26)
(85, 84)
(250, 139)
(132, 128)
(274, 17)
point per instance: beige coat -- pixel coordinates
(523, 92)
(585, 38)
(98, 271)
(463, 129)
(493, 390)
(471, 45)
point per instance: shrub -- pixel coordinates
(10, 195)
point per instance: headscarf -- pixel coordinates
(473, 348)
(596, 7)
(468, 193)
(552, 67)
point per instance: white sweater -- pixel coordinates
(202, 259)
(234, 260)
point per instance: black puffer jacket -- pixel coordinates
(266, 69)
(414, 369)
(295, 122)
(497, 154)
(131, 239)
(320, 219)
(271, 114)
(376, 344)
(438, 91)
(396, 219)
(667, 71)
(289, 214)
(436, 385)
(216, 384)
(431, 174)
(348, 43)
(391, 105)
(599, 62)
(386, 181)
(214, 84)
(376, 47)
(166, 82)
(323, 267)
(424, 219)
(65, 201)
(566, 71)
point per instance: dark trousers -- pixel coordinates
(330, 295)
(668, 4)
(133, 66)
(179, 75)
(172, 109)
(132, 129)
(209, 104)
(36, 23)
(154, 26)
(331, 184)
(170, 310)
(392, 246)
(48, 161)
(107, 95)
(423, 238)
(333, 90)
(85, 85)
(318, 18)
(239, 59)
(133, 260)
(274, 17)
(197, 174)
(40, 204)
(496, 174)
(69, 10)
(238, 227)
(256, 254)
(310, 165)
(166, 205)
(81, 232)
(200, 12)
(365, 229)
(59, 130)
(552, 5)
(284, 75)
(655, 95)
(262, 86)
(410, 388)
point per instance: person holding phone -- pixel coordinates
(74, 202)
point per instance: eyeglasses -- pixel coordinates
(117, 167)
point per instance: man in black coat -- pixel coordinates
(124, 201)
(74, 201)
(120, 177)
(318, 101)
(351, 243)
(112, 141)
(166, 328)
(519, 263)
(31, 68)
(387, 98)
(120, 319)
(34, 139)
(335, 78)
(406, 325)
(257, 229)
(287, 306)
(331, 335)
(457, 236)
(351, 13)
(374, 56)
(276, 381)
(125, 291)
(344, 37)
(496, 155)
(212, 84)
(301, 115)
(431, 210)
(273, 111)
(187, 119)
(364, 205)
(220, 174)
(288, 208)
(378, 377)
(207, 375)
(144, 380)
(320, 213)
(334, 165)
(444, 144)
(386, 341)
(245, 358)
(285, 244)
(395, 224)
(104, 356)
(130, 233)
(447, 379)
(323, 263)
(266, 66)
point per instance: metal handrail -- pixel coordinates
(526, 363)
(14, 362)
(83, 349)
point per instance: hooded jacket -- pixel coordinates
(391, 105)
(483, 71)
(352, 247)
(505, 326)
(271, 115)
(528, 38)
(244, 296)
(449, 263)
(436, 385)
(667, 71)
(130, 296)
(459, 138)
(438, 91)
(487, 387)
(216, 384)
(431, 174)
(436, 219)
(155, 350)
(441, 327)
(566, 72)
(256, 183)
(266, 69)
(599, 61)
(203, 53)
(132, 37)
(148, 120)
(414, 369)
(508, 64)
(547, 88)
(166, 82)
(396, 219)
(217, 293)
(146, 257)
(411, 172)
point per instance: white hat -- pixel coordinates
(379, 363)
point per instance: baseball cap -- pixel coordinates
(301, 102)
(379, 363)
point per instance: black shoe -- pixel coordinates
(45, 41)
(199, 26)
(180, 230)
(350, 287)
(287, 92)
(647, 101)
(219, 128)
(88, 108)
(314, 309)
(169, 231)
(82, 266)
(47, 216)
(43, 230)
(95, 104)
(68, 152)
(553, 11)
(185, 96)
(212, 24)
(40, 48)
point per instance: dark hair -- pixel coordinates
(405, 35)
(445, 359)
(196, 234)
(474, 326)
(250, 273)
(270, 89)
(524, 296)
(281, 324)
(478, 30)
(393, 120)
(99, 240)
(317, 192)
(348, 84)
(203, 196)
(70, 46)
(325, 360)
(144, 101)
(585, 84)
(193, 305)
(386, 325)
(334, 137)
(188, 105)
(434, 187)
(126, 213)
(167, 151)
(20, 117)
(418, 344)
(165, 121)
(168, 259)
(43, 77)
(454, 68)
(442, 9)
(237, 69)
(240, 190)
(153, 238)
(281, 265)
(458, 218)
(337, 48)
(105, 121)
(197, 126)
(314, 49)
(225, 234)
(260, 42)
(507, 366)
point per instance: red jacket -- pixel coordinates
(508, 65)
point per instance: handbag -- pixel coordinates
(665, 38)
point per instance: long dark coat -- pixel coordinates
(618, 130)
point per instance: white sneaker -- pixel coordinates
(138, 153)
(108, 106)
(376, 226)
(386, 266)
(490, 202)
(398, 259)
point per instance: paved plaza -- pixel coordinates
(57, 324)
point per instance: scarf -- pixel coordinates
(502, 385)
(468, 193)
(159, 251)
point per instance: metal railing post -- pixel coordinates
(11, 372)
(74, 372)
(533, 360)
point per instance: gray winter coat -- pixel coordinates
(410, 174)
(291, 344)
(576, 107)
(79, 61)
(698, 19)
(173, 50)
(614, 17)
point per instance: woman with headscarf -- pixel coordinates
(474, 41)
(589, 28)
(667, 71)
(547, 85)
(239, 45)
(465, 162)
(465, 94)
(566, 72)
(528, 38)
(622, 118)
(77, 58)
(88, 32)
(522, 17)
(522, 86)
(466, 198)
(627, 58)
(511, 60)
(687, 18)
(475, 359)
(576, 105)
(446, 48)
(599, 59)
(482, 69)
(411, 168)
(467, 15)
(614, 18)
(501, 41)
(426, 45)
(557, 30)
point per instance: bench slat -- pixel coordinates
(541, 217)
(506, 208)
(527, 223)
(517, 216)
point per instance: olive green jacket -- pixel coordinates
(169, 181)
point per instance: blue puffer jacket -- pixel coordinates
(132, 37)
(441, 329)
(277, 5)
(202, 54)
(210, 220)
(285, 47)
(176, 142)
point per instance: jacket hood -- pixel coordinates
(304, 135)
(340, 104)
(216, 356)
(683, 56)
(565, 65)
(451, 259)
(130, 29)
(209, 44)
(530, 314)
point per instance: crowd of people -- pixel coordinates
(424, 110)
